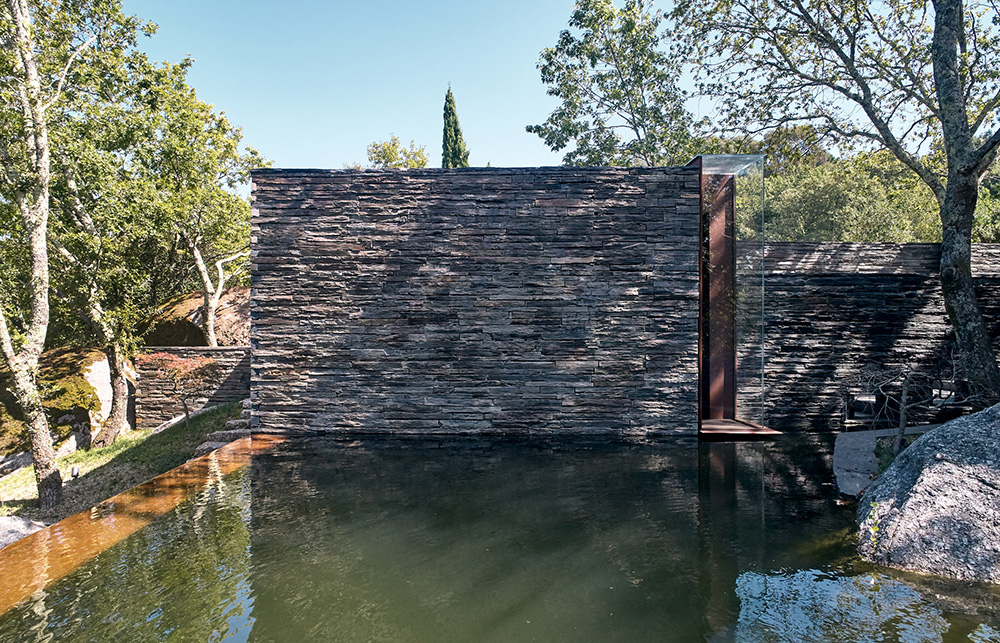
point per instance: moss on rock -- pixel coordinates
(67, 396)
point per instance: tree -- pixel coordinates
(391, 154)
(189, 376)
(895, 75)
(195, 161)
(453, 152)
(862, 198)
(42, 44)
(621, 104)
(101, 220)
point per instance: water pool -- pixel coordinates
(465, 540)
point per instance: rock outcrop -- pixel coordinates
(178, 322)
(72, 380)
(936, 509)
(13, 528)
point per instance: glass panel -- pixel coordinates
(749, 246)
(733, 192)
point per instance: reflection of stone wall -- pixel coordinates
(154, 401)
(832, 308)
(479, 300)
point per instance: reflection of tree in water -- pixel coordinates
(185, 577)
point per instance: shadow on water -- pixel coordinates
(482, 540)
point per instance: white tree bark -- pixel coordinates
(212, 290)
(32, 198)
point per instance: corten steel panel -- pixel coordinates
(718, 314)
(482, 300)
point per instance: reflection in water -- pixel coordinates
(474, 540)
(811, 605)
(184, 578)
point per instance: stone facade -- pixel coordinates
(156, 403)
(508, 301)
(833, 308)
(530, 301)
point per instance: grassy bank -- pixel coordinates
(133, 458)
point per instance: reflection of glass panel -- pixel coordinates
(749, 259)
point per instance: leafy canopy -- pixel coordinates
(391, 154)
(621, 104)
(861, 72)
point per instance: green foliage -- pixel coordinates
(137, 162)
(194, 162)
(873, 534)
(134, 458)
(621, 104)
(152, 167)
(391, 154)
(81, 47)
(786, 148)
(14, 270)
(867, 198)
(986, 227)
(453, 152)
(860, 74)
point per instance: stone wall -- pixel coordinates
(156, 403)
(833, 308)
(524, 301)
(482, 300)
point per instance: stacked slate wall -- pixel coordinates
(155, 401)
(512, 301)
(834, 308)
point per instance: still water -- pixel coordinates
(472, 541)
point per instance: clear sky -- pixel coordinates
(313, 82)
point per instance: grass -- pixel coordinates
(133, 458)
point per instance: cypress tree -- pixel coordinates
(453, 152)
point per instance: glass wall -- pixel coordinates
(733, 287)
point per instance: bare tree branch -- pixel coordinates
(65, 71)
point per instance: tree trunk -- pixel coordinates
(209, 307)
(187, 412)
(975, 349)
(117, 422)
(210, 301)
(966, 164)
(47, 476)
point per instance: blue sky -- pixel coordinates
(312, 83)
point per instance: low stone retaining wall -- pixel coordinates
(833, 308)
(155, 400)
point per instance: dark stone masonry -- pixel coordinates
(835, 308)
(514, 301)
(155, 402)
(533, 301)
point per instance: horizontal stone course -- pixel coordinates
(835, 308)
(154, 398)
(476, 301)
